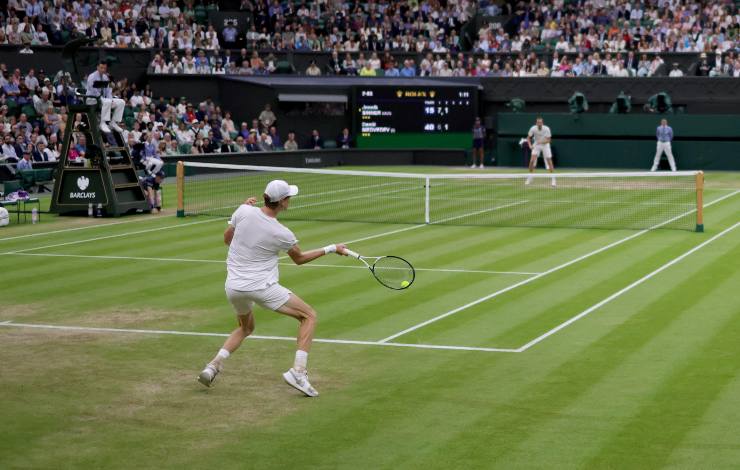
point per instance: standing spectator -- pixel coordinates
(315, 141)
(664, 134)
(229, 34)
(479, 136)
(267, 118)
(291, 143)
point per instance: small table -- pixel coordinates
(20, 207)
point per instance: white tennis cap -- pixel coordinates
(277, 190)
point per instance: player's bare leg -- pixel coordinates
(297, 376)
(532, 166)
(550, 169)
(235, 339)
(481, 157)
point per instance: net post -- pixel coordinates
(426, 200)
(700, 201)
(180, 189)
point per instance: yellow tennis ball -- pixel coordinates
(405, 283)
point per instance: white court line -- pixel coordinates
(38, 234)
(626, 289)
(137, 232)
(274, 338)
(545, 273)
(310, 265)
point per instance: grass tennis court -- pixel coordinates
(516, 347)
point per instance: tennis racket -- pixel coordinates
(391, 271)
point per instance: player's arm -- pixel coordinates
(302, 257)
(529, 139)
(229, 232)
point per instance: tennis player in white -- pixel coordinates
(539, 138)
(255, 238)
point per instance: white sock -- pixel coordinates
(222, 354)
(301, 358)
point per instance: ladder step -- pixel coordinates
(114, 149)
(126, 185)
(121, 167)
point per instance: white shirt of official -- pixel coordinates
(252, 263)
(540, 136)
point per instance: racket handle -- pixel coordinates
(351, 253)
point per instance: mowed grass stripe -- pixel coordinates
(439, 329)
(633, 383)
(572, 367)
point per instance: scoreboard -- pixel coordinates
(421, 117)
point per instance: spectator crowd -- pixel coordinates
(580, 37)
(33, 119)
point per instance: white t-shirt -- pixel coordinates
(252, 263)
(540, 135)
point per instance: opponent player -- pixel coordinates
(255, 237)
(539, 138)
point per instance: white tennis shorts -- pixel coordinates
(272, 297)
(544, 149)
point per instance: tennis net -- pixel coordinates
(616, 200)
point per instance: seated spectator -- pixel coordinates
(676, 71)
(315, 141)
(25, 162)
(409, 69)
(367, 70)
(265, 142)
(349, 65)
(9, 151)
(275, 137)
(228, 146)
(313, 70)
(241, 146)
(345, 139)
(291, 143)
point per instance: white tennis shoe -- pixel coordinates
(299, 381)
(554, 184)
(208, 375)
(529, 180)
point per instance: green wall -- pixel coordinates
(412, 140)
(702, 142)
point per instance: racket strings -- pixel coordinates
(394, 272)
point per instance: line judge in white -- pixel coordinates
(539, 138)
(255, 238)
(107, 101)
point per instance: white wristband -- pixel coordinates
(330, 249)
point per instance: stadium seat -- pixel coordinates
(28, 179)
(11, 186)
(184, 148)
(29, 111)
(330, 144)
(42, 177)
(283, 66)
